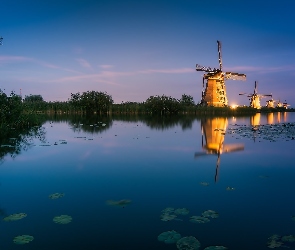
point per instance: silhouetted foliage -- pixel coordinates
(162, 105)
(33, 103)
(91, 102)
(187, 100)
(10, 109)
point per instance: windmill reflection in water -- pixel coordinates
(214, 130)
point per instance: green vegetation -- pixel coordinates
(16, 113)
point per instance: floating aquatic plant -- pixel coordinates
(288, 238)
(170, 213)
(199, 219)
(120, 203)
(23, 239)
(274, 241)
(215, 248)
(167, 217)
(168, 210)
(14, 217)
(230, 188)
(181, 211)
(188, 243)
(56, 196)
(210, 213)
(204, 183)
(62, 219)
(169, 237)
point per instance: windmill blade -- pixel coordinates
(198, 154)
(255, 87)
(203, 82)
(234, 76)
(265, 95)
(217, 168)
(206, 69)
(219, 55)
(248, 95)
(233, 147)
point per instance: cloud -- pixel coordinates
(167, 71)
(109, 77)
(84, 63)
(106, 66)
(21, 59)
(14, 59)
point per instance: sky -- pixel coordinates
(136, 49)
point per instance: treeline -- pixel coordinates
(94, 102)
(15, 111)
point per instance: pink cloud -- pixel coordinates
(168, 71)
(84, 63)
(20, 59)
(106, 66)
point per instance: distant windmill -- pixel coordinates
(271, 103)
(255, 97)
(215, 92)
(214, 131)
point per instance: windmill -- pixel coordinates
(214, 131)
(284, 105)
(255, 97)
(215, 92)
(271, 103)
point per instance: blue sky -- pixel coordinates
(135, 49)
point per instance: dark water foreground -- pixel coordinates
(120, 182)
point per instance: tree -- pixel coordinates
(34, 103)
(10, 107)
(91, 101)
(162, 105)
(187, 100)
(33, 98)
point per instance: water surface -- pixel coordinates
(246, 175)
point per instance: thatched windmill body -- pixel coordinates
(214, 93)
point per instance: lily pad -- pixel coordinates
(23, 239)
(56, 196)
(169, 237)
(181, 211)
(210, 213)
(14, 217)
(167, 217)
(168, 210)
(62, 219)
(199, 219)
(188, 243)
(120, 203)
(230, 188)
(204, 183)
(288, 238)
(215, 248)
(274, 241)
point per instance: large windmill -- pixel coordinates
(214, 131)
(214, 94)
(255, 97)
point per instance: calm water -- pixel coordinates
(200, 164)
